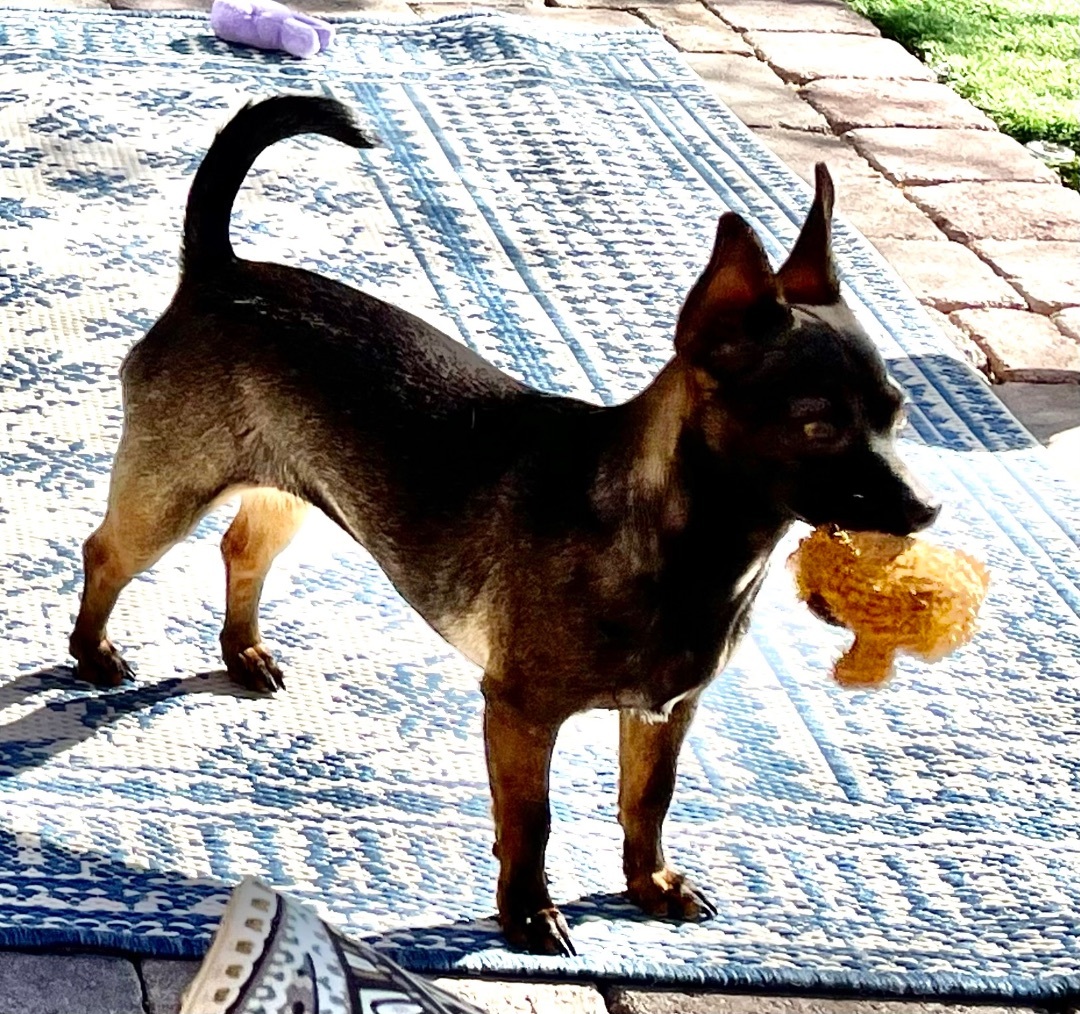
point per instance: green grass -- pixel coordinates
(1017, 60)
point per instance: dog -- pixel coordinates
(583, 556)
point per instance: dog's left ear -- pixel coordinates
(735, 281)
(809, 274)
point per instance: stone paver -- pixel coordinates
(1048, 410)
(948, 276)
(612, 4)
(1046, 274)
(754, 93)
(1069, 323)
(1051, 412)
(1021, 345)
(792, 16)
(621, 1002)
(527, 998)
(164, 982)
(68, 984)
(879, 210)
(968, 212)
(801, 150)
(805, 56)
(695, 29)
(850, 102)
(912, 156)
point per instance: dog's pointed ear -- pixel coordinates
(737, 277)
(809, 274)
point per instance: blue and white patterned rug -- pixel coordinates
(549, 198)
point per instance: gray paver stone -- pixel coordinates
(1022, 346)
(754, 93)
(527, 998)
(1069, 323)
(165, 981)
(694, 28)
(948, 276)
(914, 155)
(628, 1002)
(848, 103)
(878, 210)
(972, 211)
(68, 984)
(792, 16)
(801, 150)
(806, 56)
(1051, 413)
(1046, 410)
(1046, 274)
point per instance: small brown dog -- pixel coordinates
(586, 557)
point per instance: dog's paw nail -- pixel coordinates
(667, 894)
(255, 669)
(103, 666)
(567, 944)
(692, 905)
(543, 932)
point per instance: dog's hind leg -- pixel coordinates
(648, 755)
(147, 514)
(265, 524)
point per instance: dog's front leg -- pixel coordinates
(648, 755)
(518, 758)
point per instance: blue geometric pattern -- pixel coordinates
(547, 197)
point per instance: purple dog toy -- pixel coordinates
(269, 25)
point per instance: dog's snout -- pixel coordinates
(923, 514)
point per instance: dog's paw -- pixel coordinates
(542, 932)
(254, 668)
(100, 664)
(667, 894)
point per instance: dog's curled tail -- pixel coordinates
(231, 156)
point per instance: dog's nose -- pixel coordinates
(923, 514)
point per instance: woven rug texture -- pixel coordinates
(548, 198)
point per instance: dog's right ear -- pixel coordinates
(809, 274)
(737, 280)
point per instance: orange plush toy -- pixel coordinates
(893, 593)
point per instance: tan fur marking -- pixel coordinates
(667, 405)
(265, 524)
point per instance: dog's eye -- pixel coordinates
(819, 430)
(806, 409)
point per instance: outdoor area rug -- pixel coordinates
(549, 198)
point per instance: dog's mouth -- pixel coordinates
(820, 608)
(904, 516)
